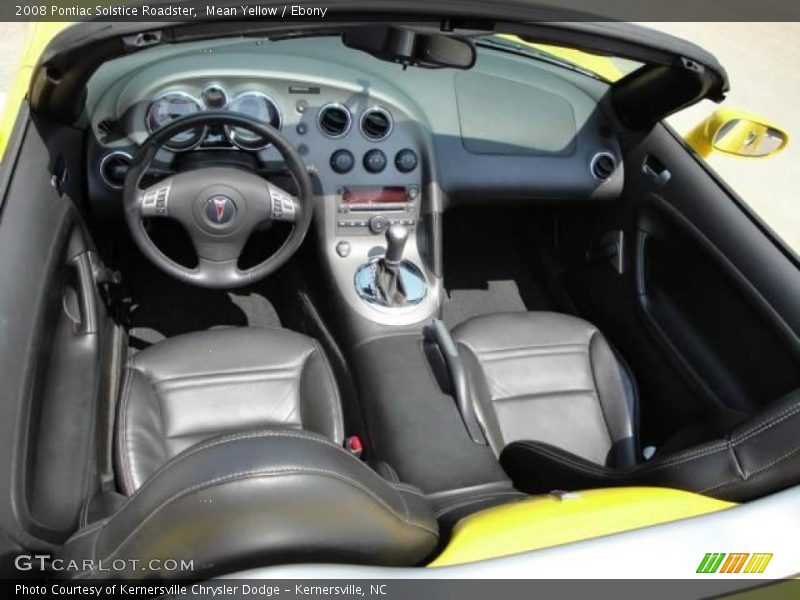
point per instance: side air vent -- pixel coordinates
(113, 169)
(334, 120)
(376, 124)
(603, 165)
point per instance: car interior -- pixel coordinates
(318, 296)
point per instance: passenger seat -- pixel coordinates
(552, 378)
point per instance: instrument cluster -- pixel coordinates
(170, 105)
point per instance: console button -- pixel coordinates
(406, 160)
(375, 161)
(378, 224)
(343, 249)
(342, 161)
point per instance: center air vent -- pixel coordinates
(334, 120)
(603, 165)
(376, 124)
(113, 169)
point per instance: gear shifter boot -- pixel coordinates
(391, 283)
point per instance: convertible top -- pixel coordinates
(60, 77)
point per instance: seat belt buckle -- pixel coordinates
(354, 446)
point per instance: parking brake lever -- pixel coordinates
(458, 375)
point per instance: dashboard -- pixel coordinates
(379, 140)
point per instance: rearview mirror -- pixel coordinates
(409, 48)
(737, 133)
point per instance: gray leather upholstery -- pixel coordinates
(757, 457)
(550, 378)
(193, 387)
(259, 498)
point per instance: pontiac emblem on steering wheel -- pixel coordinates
(220, 210)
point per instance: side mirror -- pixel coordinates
(737, 133)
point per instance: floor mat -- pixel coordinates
(164, 307)
(485, 271)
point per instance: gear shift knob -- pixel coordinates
(396, 237)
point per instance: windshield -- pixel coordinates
(607, 68)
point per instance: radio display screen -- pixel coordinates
(395, 194)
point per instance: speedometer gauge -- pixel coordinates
(170, 106)
(257, 106)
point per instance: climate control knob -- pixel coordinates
(406, 160)
(375, 161)
(342, 161)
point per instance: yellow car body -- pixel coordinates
(39, 35)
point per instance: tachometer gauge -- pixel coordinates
(167, 108)
(258, 106)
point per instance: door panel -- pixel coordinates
(707, 307)
(54, 335)
(717, 293)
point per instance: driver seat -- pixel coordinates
(229, 450)
(192, 387)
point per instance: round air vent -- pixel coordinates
(376, 124)
(334, 120)
(603, 165)
(113, 169)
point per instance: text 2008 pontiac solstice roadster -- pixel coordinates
(440, 293)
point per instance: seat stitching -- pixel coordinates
(85, 532)
(596, 394)
(201, 378)
(126, 467)
(767, 424)
(591, 468)
(410, 489)
(243, 475)
(192, 450)
(466, 502)
(576, 345)
(232, 372)
(773, 463)
(511, 353)
(534, 395)
(338, 426)
(403, 500)
(718, 486)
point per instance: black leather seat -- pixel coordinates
(229, 444)
(192, 387)
(560, 409)
(550, 378)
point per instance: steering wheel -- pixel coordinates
(218, 206)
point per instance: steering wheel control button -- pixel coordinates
(375, 161)
(154, 202)
(301, 129)
(406, 160)
(220, 210)
(342, 161)
(378, 224)
(283, 208)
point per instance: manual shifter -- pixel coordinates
(388, 279)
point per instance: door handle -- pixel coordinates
(81, 266)
(656, 171)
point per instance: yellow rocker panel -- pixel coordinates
(554, 519)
